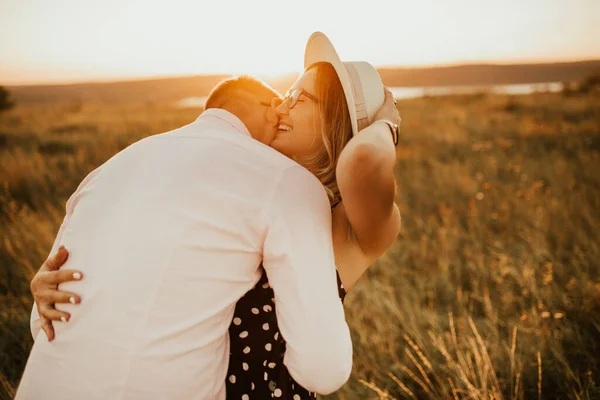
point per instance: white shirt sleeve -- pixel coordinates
(299, 260)
(35, 322)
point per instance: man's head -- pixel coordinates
(249, 99)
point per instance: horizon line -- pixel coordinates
(267, 77)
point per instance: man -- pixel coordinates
(170, 234)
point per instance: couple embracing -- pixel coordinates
(211, 261)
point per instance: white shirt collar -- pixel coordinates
(226, 117)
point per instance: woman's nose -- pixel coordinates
(279, 106)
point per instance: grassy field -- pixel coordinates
(492, 290)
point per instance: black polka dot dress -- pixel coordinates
(256, 369)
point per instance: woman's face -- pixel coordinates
(299, 132)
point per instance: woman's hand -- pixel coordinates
(388, 110)
(44, 288)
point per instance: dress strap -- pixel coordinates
(335, 205)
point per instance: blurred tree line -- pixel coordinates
(6, 101)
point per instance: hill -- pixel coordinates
(488, 74)
(150, 90)
(173, 89)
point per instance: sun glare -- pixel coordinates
(69, 40)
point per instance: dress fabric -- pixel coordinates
(256, 369)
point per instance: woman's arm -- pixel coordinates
(365, 174)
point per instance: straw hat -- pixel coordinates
(361, 83)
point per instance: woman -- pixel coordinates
(351, 150)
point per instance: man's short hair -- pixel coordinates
(238, 88)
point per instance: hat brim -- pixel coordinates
(320, 49)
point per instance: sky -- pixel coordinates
(63, 41)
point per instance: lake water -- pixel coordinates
(415, 92)
(527, 88)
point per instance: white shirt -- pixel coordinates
(169, 234)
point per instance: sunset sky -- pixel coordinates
(47, 41)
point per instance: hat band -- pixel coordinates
(360, 107)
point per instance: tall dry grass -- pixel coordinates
(492, 290)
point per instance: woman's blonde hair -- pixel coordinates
(336, 128)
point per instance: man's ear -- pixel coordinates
(276, 102)
(271, 112)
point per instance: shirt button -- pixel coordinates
(272, 385)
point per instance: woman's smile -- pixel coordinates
(284, 127)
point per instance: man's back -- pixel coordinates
(169, 234)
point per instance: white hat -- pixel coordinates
(361, 83)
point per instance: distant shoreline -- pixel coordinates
(406, 93)
(176, 88)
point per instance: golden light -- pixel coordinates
(69, 40)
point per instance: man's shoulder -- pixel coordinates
(295, 184)
(266, 153)
(290, 173)
(276, 158)
(256, 152)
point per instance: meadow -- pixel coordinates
(491, 291)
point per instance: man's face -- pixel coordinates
(261, 119)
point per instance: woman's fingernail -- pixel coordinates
(76, 275)
(72, 300)
(63, 319)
